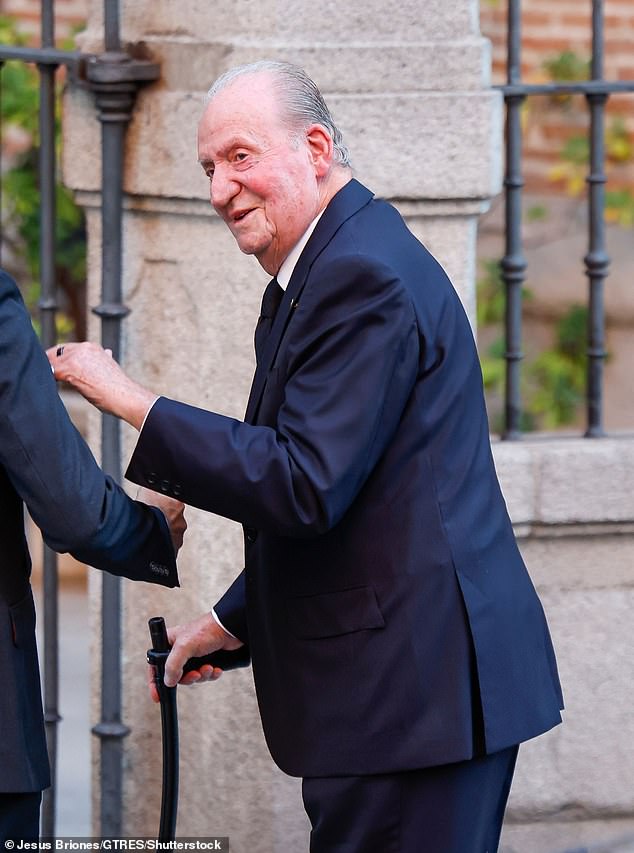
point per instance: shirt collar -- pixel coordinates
(286, 270)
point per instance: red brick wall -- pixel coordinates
(69, 16)
(550, 27)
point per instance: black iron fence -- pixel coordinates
(513, 264)
(114, 77)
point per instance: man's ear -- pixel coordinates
(321, 148)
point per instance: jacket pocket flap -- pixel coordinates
(334, 613)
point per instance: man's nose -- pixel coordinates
(223, 186)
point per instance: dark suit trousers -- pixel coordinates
(454, 808)
(20, 816)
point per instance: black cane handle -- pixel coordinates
(223, 658)
(158, 634)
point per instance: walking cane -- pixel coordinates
(156, 657)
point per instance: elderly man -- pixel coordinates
(45, 464)
(399, 650)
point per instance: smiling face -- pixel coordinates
(267, 183)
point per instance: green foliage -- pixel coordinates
(575, 157)
(553, 383)
(619, 207)
(576, 150)
(490, 298)
(21, 192)
(537, 213)
(618, 148)
(571, 333)
(557, 376)
(617, 141)
(21, 196)
(19, 94)
(490, 294)
(567, 67)
(492, 364)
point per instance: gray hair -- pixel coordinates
(299, 96)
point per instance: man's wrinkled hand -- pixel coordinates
(92, 371)
(195, 639)
(173, 510)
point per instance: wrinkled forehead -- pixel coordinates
(248, 94)
(248, 107)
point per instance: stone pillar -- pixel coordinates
(409, 87)
(572, 504)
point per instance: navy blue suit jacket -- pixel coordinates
(45, 463)
(391, 621)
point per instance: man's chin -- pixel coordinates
(257, 249)
(250, 247)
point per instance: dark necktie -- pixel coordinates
(270, 303)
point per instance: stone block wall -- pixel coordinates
(572, 506)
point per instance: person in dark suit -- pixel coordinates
(399, 649)
(45, 464)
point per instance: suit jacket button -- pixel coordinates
(176, 490)
(151, 479)
(165, 486)
(251, 533)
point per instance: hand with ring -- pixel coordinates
(93, 372)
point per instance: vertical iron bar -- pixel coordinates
(115, 78)
(47, 24)
(597, 260)
(112, 40)
(111, 728)
(115, 104)
(48, 307)
(513, 264)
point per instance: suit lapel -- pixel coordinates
(350, 199)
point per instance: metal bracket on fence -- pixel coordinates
(115, 78)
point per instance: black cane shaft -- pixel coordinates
(157, 656)
(169, 796)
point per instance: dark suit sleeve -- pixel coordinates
(351, 358)
(231, 609)
(75, 505)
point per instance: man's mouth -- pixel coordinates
(241, 214)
